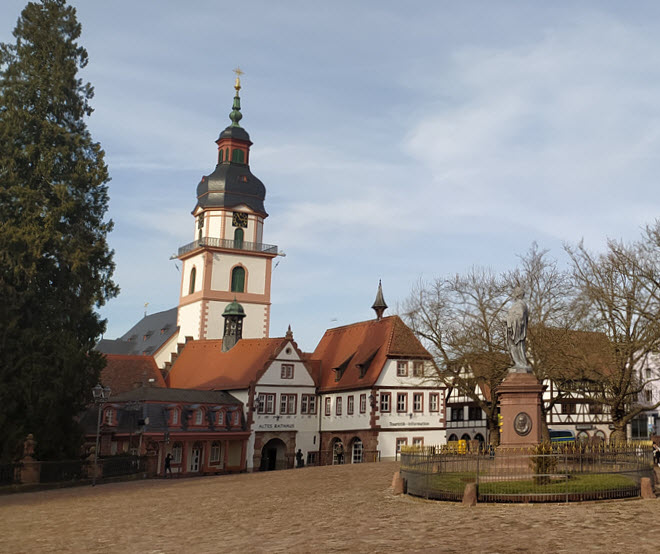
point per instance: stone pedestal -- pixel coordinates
(520, 396)
(30, 470)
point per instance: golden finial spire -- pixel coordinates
(238, 72)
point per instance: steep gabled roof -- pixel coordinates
(202, 364)
(146, 337)
(124, 373)
(362, 349)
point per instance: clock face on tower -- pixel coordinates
(239, 219)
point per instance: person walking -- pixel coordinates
(168, 464)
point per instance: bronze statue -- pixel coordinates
(516, 333)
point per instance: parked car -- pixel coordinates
(561, 436)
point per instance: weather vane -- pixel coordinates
(238, 72)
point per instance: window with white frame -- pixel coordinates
(402, 369)
(418, 402)
(328, 405)
(177, 450)
(175, 416)
(363, 403)
(401, 441)
(385, 399)
(418, 369)
(288, 404)
(350, 407)
(401, 401)
(287, 371)
(307, 404)
(338, 405)
(215, 451)
(221, 418)
(270, 403)
(199, 417)
(418, 441)
(434, 402)
(108, 416)
(648, 395)
(261, 403)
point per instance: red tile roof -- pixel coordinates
(126, 372)
(202, 364)
(368, 344)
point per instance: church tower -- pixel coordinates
(227, 259)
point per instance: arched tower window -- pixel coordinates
(193, 275)
(220, 153)
(237, 155)
(238, 238)
(238, 279)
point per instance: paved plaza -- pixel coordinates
(327, 509)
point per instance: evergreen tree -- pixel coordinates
(55, 264)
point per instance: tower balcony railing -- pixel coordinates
(229, 245)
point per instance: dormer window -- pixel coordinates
(199, 417)
(109, 416)
(175, 416)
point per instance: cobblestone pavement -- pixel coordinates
(328, 509)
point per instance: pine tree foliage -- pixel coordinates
(55, 263)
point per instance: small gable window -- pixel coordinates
(238, 279)
(287, 371)
(193, 276)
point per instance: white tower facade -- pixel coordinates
(227, 258)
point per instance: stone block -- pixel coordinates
(470, 495)
(398, 485)
(647, 488)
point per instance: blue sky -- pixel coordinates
(394, 143)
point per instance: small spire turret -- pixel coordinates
(379, 305)
(236, 114)
(289, 333)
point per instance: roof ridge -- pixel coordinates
(359, 323)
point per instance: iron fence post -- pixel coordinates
(566, 471)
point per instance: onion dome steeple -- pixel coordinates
(379, 304)
(232, 183)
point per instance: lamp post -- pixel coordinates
(100, 394)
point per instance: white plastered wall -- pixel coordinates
(387, 440)
(345, 422)
(253, 322)
(198, 263)
(188, 318)
(255, 268)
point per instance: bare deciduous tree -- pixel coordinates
(619, 294)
